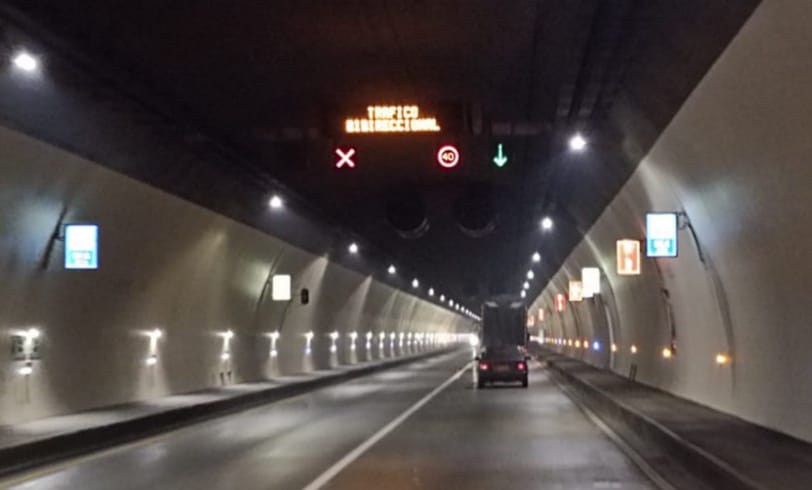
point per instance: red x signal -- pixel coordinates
(345, 158)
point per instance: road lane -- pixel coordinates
(402, 428)
(502, 437)
(283, 445)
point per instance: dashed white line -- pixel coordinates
(350, 457)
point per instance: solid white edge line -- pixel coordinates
(350, 457)
(633, 455)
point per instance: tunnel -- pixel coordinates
(452, 244)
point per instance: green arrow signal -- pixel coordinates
(500, 159)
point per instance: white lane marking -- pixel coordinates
(636, 458)
(350, 457)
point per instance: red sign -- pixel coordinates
(560, 302)
(628, 257)
(448, 156)
(345, 158)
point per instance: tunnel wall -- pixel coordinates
(164, 263)
(736, 159)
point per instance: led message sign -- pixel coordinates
(661, 234)
(392, 119)
(81, 247)
(628, 257)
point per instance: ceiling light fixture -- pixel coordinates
(577, 143)
(275, 202)
(25, 61)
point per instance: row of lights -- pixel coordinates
(534, 259)
(666, 353)
(392, 270)
(276, 203)
(577, 143)
(402, 338)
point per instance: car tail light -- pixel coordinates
(483, 366)
(522, 366)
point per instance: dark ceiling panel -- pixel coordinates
(268, 82)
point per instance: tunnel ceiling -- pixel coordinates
(273, 80)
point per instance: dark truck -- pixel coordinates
(504, 340)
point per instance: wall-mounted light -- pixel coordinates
(596, 345)
(392, 270)
(667, 353)
(523, 294)
(415, 283)
(154, 335)
(546, 223)
(442, 298)
(353, 248)
(531, 275)
(722, 359)
(431, 291)
(536, 258)
(633, 349)
(614, 348)
(274, 338)
(353, 338)
(308, 342)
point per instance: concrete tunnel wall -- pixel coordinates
(736, 159)
(169, 264)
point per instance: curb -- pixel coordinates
(624, 419)
(15, 459)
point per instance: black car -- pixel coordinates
(502, 363)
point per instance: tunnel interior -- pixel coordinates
(302, 186)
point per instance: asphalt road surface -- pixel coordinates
(423, 425)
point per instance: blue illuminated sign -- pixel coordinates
(81, 247)
(661, 234)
